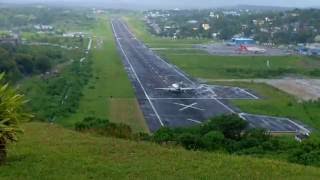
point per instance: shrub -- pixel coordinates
(190, 141)
(230, 125)
(104, 127)
(213, 140)
(11, 114)
(163, 135)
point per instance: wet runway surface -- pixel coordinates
(147, 72)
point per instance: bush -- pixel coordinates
(104, 127)
(308, 153)
(230, 125)
(213, 140)
(91, 123)
(190, 141)
(163, 135)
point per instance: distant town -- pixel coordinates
(297, 29)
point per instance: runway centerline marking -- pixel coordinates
(185, 106)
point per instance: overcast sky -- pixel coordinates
(179, 3)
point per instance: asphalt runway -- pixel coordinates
(147, 72)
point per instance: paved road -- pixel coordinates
(147, 72)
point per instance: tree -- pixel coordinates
(213, 140)
(163, 135)
(230, 125)
(25, 63)
(190, 141)
(11, 114)
(43, 64)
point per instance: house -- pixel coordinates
(41, 27)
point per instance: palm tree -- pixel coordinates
(11, 114)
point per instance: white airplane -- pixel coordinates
(177, 87)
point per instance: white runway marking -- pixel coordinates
(279, 118)
(185, 106)
(134, 72)
(195, 121)
(250, 94)
(154, 98)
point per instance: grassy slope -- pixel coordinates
(109, 93)
(51, 152)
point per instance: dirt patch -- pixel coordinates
(304, 89)
(127, 111)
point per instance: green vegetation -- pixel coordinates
(104, 127)
(230, 133)
(109, 92)
(56, 96)
(61, 19)
(280, 27)
(140, 29)
(74, 89)
(215, 67)
(277, 103)
(20, 61)
(51, 152)
(12, 112)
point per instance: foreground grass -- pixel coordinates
(109, 94)
(50, 152)
(275, 102)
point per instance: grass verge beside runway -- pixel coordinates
(140, 29)
(109, 93)
(276, 103)
(210, 67)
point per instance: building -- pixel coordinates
(241, 41)
(13, 39)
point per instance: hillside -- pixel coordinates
(52, 152)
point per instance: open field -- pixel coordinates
(51, 152)
(210, 67)
(109, 87)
